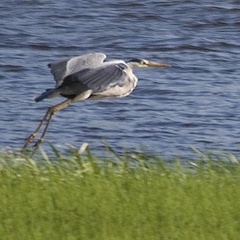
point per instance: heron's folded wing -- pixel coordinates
(62, 69)
(99, 79)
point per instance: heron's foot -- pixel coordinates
(29, 140)
(38, 143)
(31, 137)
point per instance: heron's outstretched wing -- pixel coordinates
(62, 69)
(98, 79)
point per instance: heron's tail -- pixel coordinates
(49, 93)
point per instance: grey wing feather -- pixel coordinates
(62, 69)
(99, 79)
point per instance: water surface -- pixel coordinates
(194, 103)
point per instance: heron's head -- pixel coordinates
(145, 63)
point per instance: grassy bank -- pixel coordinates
(132, 197)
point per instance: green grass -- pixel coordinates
(130, 197)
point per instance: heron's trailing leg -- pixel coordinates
(46, 119)
(34, 134)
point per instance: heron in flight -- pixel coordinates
(88, 76)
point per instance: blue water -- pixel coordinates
(193, 103)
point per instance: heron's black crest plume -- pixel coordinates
(137, 60)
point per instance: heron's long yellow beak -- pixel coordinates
(156, 64)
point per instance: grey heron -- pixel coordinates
(88, 76)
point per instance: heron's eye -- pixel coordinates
(143, 62)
